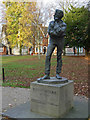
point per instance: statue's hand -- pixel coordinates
(52, 24)
(53, 33)
(58, 30)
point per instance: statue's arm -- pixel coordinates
(51, 30)
(61, 30)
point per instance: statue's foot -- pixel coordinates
(43, 78)
(58, 76)
(46, 77)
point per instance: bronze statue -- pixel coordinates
(56, 31)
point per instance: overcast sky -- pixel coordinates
(53, 1)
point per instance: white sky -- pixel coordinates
(45, 1)
(48, 1)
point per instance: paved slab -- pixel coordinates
(80, 110)
(12, 97)
(0, 102)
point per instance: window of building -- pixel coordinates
(36, 49)
(1, 49)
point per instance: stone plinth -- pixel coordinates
(50, 98)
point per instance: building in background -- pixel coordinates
(39, 48)
(3, 49)
(74, 51)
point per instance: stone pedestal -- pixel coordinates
(52, 97)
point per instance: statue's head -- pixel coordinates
(58, 14)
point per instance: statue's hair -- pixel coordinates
(59, 13)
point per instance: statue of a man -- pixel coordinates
(56, 31)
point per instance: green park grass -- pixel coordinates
(20, 71)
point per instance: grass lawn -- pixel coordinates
(21, 70)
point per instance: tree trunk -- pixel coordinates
(78, 51)
(86, 52)
(38, 51)
(20, 50)
(33, 45)
(10, 49)
(74, 50)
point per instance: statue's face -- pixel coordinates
(58, 14)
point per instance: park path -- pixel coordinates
(12, 97)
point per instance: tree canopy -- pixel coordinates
(77, 27)
(19, 16)
(24, 24)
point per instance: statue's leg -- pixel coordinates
(60, 46)
(50, 50)
(59, 60)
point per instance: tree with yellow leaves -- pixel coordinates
(19, 23)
